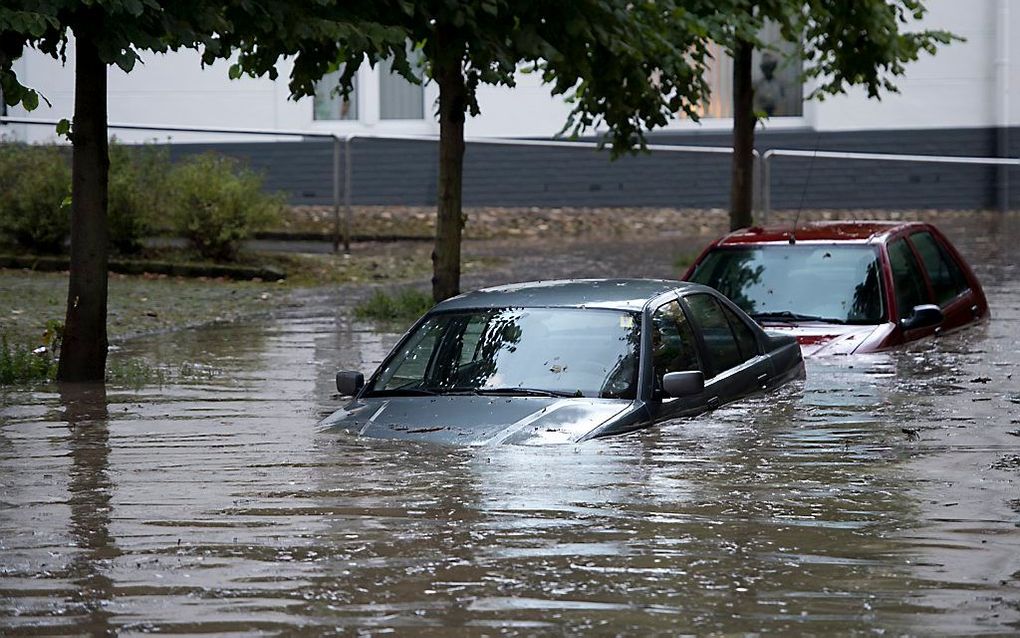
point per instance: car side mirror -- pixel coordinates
(683, 384)
(923, 316)
(348, 383)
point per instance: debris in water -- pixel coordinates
(1007, 462)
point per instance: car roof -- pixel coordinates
(620, 294)
(856, 232)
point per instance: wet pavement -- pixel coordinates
(881, 495)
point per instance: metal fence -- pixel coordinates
(342, 161)
(767, 171)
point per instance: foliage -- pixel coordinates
(405, 306)
(216, 203)
(861, 43)
(20, 364)
(135, 373)
(34, 210)
(37, 182)
(120, 29)
(625, 67)
(137, 193)
(105, 33)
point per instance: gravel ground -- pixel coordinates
(510, 223)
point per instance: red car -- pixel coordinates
(845, 287)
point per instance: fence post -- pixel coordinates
(347, 194)
(756, 187)
(336, 193)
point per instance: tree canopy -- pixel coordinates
(865, 43)
(625, 67)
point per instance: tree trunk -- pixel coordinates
(83, 350)
(742, 180)
(450, 215)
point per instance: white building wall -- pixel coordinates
(960, 87)
(957, 87)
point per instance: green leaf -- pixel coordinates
(30, 100)
(64, 128)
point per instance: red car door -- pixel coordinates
(948, 284)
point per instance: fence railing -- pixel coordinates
(767, 170)
(342, 180)
(342, 156)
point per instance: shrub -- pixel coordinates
(137, 193)
(403, 307)
(216, 203)
(36, 182)
(24, 364)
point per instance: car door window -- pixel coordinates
(947, 280)
(674, 348)
(908, 281)
(723, 351)
(746, 340)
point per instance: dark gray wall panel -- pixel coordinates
(392, 172)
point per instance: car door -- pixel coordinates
(674, 348)
(734, 364)
(949, 286)
(910, 287)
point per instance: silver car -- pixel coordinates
(565, 361)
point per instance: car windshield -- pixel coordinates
(517, 351)
(805, 282)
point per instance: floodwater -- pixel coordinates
(881, 495)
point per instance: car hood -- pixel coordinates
(476, 420)
(819, 339)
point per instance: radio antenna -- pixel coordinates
(803, 191)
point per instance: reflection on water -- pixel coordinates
(874, 496)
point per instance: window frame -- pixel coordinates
(902, 313)
(698, 343)
(708, 364)
(945, 254)
(380, 76)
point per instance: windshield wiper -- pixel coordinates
(528, 392)
(786, 315)
(403, 392)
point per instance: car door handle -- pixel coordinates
(713, 403)
(974, 310)
(763, 378)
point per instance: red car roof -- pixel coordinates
(836, 231)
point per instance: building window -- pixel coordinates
(775, 74)
(329, 104)
(398, 98)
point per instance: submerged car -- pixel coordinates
(564, 361)
(845, 287)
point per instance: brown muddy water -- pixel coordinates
(881, 495)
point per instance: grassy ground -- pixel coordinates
(137, 305)
(146, 304)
